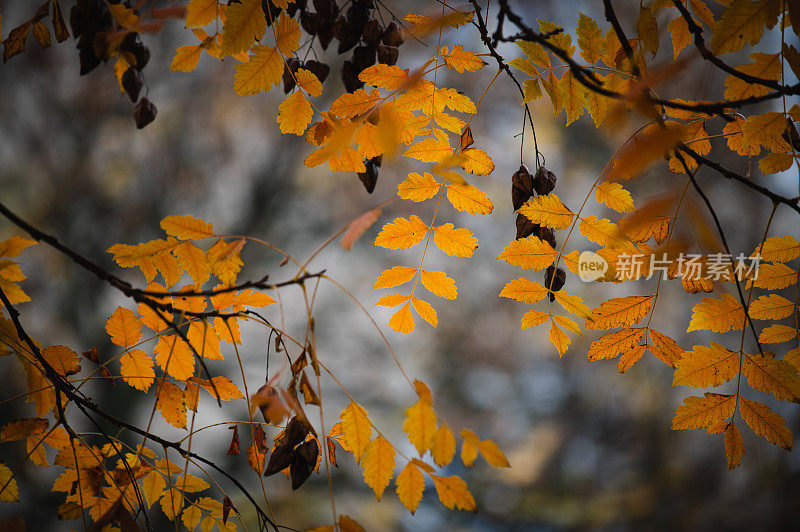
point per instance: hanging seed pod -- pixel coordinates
(310, 22)
(347, 35)
(525, 227)
(554, 280)
(271, 11)
(544, 182)
(392, 36)
(132, 83)
(290, 67)
(369, 4)
(296, 431)
(88, 60)
(327, 9)
(377, 160)
(388, 54)
(325, 36)
(281, 459)
(350, 77)
(363, 57)
(321, 70)
(521, 187)
(370, 177)
(303, 462)
(372, 32)
(790, 135)
(547, 234)
(294, 7)
(357, 15)
(144, 112)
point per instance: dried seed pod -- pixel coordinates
(350, 76)
(321, 70)
(525, 227)
(310, 22)
(392, 36)
(303, 462)
(294, 7)
(296, 431)
(544, 182)
(357, 15)
(290, 66)
(370, 177)
(554, 279)
(547, 234)
(388, 54)
(521, 187)
(372, 32)
(88, 60)
(325, 36)
(377, 160)
(363, 57)
(281, 459)
(132, 83)
(366, 3)
(271, 11)
(790, 135)
(347, 35)
(144, 112)
(327, 9)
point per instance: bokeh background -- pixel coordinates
(589, 448)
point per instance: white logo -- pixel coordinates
(591, 266)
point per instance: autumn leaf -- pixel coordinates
(469, 198)
(530, 252)
(418, 187)
(619, 312)
(453, 493)
(443, 448)
(410, 486)
(703, 412)
(706, 366)
(356, 429)
(402, 233)
(378, 464)
(244, 23)
(137, 369)
(438, 283)
(766, 423)
(718, 315)
(420, 425)
(547, 211)
(456, 242)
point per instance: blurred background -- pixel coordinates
(590, 448)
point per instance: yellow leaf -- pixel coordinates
(559, 339)
(444, 446)
(469, 447)
(455, 242)
(153, 486)
(535, 52)
(260, 73)
(734, 446)
(222, 388)
(461, 60)
(392, 300)
(425, 311)
(174, 357)
(402, 233)
(777, 334)
(63, 359)
(420, 425)
(492, 454)
(349, 105)
(170, 402)
(765, 66)
(775, 276)
(137, 369)
(706, 366)
(524, 290)
(439, 283)
(410, 486)
(590, 39)
(418, 187)
(224, 260)
(124, 327)
(772, 375)
(648, 29)
(572, 304)
(475, 161)
(665, 348)
(766, 423)
(771, 307)
(615, 344)
(378, 464)
(186, 58)
(681, 36)
(453, 493)
(572, 96)
(529, 252)
(13, 246)
(779, 249)
(395, 277)
(308, 82)
(619, 312)
(9, 491)
(192, 259)
(614, 196)
(469, 198)
(429, 150)
(548, 211)
(743, 22)
(703, 412)
(599, 230)
(295, 114)
(356, 429)
(402, 321)
(201, 12)
(533, 318)
(384, 76)
(718, 315)
(244, 24)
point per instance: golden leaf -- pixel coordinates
(619, 312)
(772, 375)
(703, 412)
(614, 196)
(378, 464)
(394, 277)
(420, 425)
(718, 315)
(453, 493)
(529, 252)
(443, 448)
(137, 369)
(615, 344)
(438, 283)
(175, 357)
(124, 327)
(356, 429)
(706, 366)
(418, 187)
(410, 486)
(524, 290)
(384, 76)
(548, 211)
(766, 423)
(461, 60)
(170, 402)
(260, 73)
(294, 114)
(455, 242)
(402, 233)
(469, 198)
(244, 24)
(734, 445)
